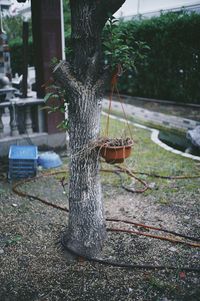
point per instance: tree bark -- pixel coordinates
(86, 228)
(83, 82)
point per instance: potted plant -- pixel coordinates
(115, 150)
(120, 58)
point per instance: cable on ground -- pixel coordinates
(132, 232)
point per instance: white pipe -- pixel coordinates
(62, 30)
(138, 7)
(1, 15)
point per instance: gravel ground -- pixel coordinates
(35, 267)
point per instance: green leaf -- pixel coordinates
(64, 125)
(13, 240)
(46, 108)
(48, 96)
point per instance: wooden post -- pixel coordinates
(47, 39)
(25, 59)
(1, 124)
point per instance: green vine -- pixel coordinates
(59, 96)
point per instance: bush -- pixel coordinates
(16, 53)
(171, 69)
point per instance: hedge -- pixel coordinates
(171, 70)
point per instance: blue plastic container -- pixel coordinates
(22, 161)
(49, 160)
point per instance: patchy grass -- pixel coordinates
(148, 157)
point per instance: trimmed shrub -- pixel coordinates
(171, 69)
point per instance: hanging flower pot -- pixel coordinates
(115, 150)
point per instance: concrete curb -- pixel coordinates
(161, 101)
(167, 121)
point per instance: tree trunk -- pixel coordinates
(86, 228)
(83, 81)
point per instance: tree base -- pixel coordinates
(70, 256)
(75, 249)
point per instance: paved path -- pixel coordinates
(145, 115)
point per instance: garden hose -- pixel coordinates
(127, 265)
(132, 232)
(46, 202)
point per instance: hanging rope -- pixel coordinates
(114, 88)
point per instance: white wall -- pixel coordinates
(130, 6)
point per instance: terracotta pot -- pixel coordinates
(115, 154)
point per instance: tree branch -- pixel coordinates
(62, 74)
(92, 67)
(111, 6)
(100, 83)
(107, 8)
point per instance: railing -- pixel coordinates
(21, 116)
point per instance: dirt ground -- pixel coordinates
(34, 266)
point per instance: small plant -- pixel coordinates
(13, 240)
(115, 141)
(115, 150)
(58, 99)
(120, 48)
